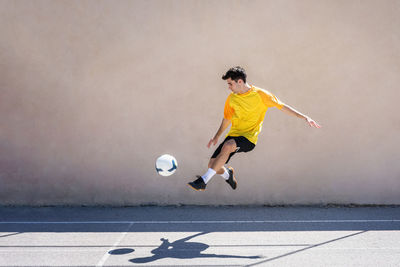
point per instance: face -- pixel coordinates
(234, 86)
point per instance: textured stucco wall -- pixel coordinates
(91, 92)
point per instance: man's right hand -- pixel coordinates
(224, 124)
(213, 142)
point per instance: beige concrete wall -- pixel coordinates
(91, 92)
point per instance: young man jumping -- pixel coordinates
(245, 109)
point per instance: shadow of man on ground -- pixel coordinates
(181, 249)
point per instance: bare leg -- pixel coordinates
(217, 163)
(211, 162)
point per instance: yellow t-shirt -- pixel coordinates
(246, 112)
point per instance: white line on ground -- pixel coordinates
(106, 255)
(51, 249)
(198, 222)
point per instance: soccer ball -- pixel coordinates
(166, 165)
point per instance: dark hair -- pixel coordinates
(235, 74)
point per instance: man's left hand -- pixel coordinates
(312, 123)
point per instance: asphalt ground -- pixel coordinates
(200, 236)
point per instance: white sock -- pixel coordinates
(225, 175)
(208, 175)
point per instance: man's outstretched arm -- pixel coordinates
(291, 111)
(224, 124)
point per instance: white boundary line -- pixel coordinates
(106, 255)
(200, 222)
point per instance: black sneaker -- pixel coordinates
(198, 184)
(232, 180)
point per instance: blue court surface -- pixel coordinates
(200, 236)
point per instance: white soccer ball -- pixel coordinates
(166, 165)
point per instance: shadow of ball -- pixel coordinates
(121, 251)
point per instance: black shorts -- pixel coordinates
(242, 143)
